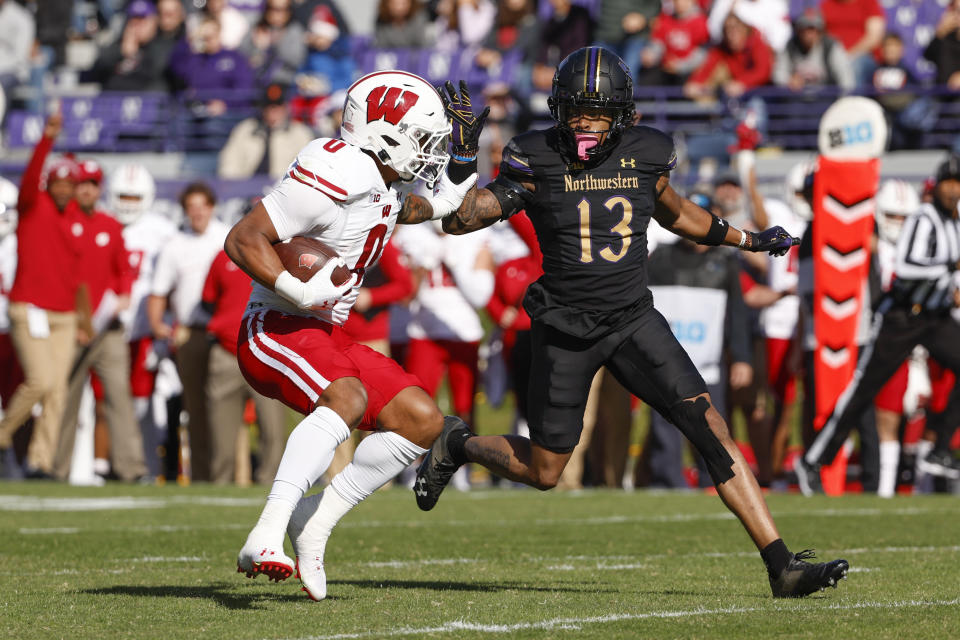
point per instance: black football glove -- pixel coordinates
(775, 240)
(466, 126)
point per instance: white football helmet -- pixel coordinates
(8, 207)
(398, 116)
(794, 186)
(130, 192)
(896, 200)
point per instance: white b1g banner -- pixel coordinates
(696, 316)
(853, 128)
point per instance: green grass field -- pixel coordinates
(159, 562)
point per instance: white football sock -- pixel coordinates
(379, 458)
(306, 457)
(889, 463)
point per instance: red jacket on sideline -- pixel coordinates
(47, 242)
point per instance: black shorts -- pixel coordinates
(644, 356)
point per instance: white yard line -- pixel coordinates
(578, 623)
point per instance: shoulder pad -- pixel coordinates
(335, 168)
(515, 161)
(653, 148)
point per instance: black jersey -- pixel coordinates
(591, 219)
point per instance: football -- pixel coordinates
(303, 257)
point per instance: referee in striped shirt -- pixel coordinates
(915, 311)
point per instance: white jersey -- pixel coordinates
(333, 192)
(8, 269)
(887, 261)
(779, 320)
(182, 269)
(440, 310)
(144, 238)
(506, 244)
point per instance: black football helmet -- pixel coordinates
(592, 77)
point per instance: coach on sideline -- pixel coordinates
(43, 300)
(181, 270)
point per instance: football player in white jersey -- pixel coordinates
(130, 195)
(291, 345)
(895, 201)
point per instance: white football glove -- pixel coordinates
(318, 293)
(448, 196)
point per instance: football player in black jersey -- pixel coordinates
(590, 185)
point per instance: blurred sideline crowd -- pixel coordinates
(137, 297)
(97, 285)
(218, 56)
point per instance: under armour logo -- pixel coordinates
(624, 163)
(420, 491)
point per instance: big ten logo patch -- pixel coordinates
(693, 331)
(857, 133)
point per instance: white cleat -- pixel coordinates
(309, 550)
(258, 557)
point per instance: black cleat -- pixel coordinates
(940, 463)
(438, 465)
(801, 578)
(808, 477)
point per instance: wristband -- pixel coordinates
(717, 232)
(743, 239)
(289, 287)
(462, 169)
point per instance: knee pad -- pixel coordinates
(691, 419)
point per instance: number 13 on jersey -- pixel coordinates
(608, 253)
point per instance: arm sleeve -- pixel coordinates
(296, 207)
(399, 283)
(738, 325)
(30, 182)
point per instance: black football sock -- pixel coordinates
(776, 556)
(457, 447)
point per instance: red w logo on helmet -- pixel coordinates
(389, 104)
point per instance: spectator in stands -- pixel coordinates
(43, 300)
(624, 26)
(515, 29)
(225, 295)
(104, 267)
(137, 60)
(908, 114)
(180, 274)
(267, 144)
(329, 67)
(17, 31)
(859, 26)
(944, 48)
(275, 46)
(569, 28)
(401, 24)
(812, 59)
(463, 23)
(769, 17)
(205, 69)
(53, 18)
(304, 10)
(233, 25)
(740, 62)
(9, 364)
(677, 45)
